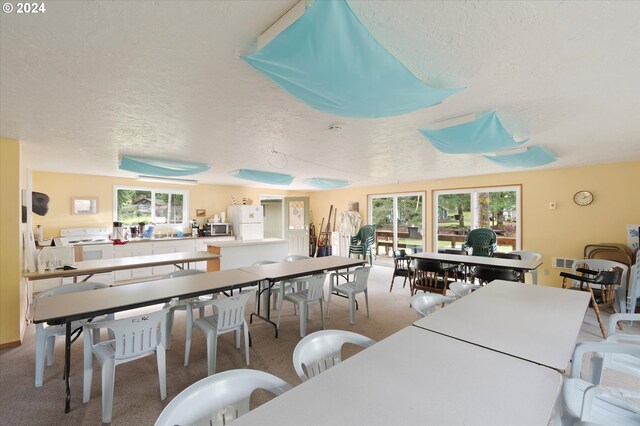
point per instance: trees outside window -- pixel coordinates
(163, 207)
(456, 212)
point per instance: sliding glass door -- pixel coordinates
(399, 220)
(456, 212)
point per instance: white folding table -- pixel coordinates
(536, 323)
(418, 377)
(65, 308)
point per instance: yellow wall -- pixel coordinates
(61, 188)
(561, 233)
(12, 306)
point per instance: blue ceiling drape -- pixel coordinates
(330, 61)
(484, 134)
(160, 167)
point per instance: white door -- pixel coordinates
(296, 224)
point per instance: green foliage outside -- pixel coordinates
(409, 213)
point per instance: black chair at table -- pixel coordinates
(432, 276)
(402, 268)
(486, 275)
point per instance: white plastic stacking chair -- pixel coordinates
(260, 287)
(135, 338)
(320, 351)
(181, 304)
(314, 293)
(46, 334)
(290, 285)
(228, 315)
(219, 399)
(425, 303)
(529, 255)
(350, 289)
(582, 400)
(624, 363)
(461, 289)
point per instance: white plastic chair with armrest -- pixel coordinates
(181, 304)
(582, 400)
(530, 255)
(228, 315)
(303, 299)
(219, 399)
(46, 334)
(461, 289)
(350, 289)
(320, 351)
(135, 338)
(290, 285)
(425, 303)
(624, 363)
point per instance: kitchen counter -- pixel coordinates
(247, 242)
(238, 254)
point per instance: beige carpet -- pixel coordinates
(137, 401)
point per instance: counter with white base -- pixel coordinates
(237, 254)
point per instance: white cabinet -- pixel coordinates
(173, 246)
(95, 252)
(120, 251)
(141, 249)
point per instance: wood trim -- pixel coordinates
(10, 344)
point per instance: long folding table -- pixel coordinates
(274, 272)
(536, 323)
(490, 262)
(418, 377)
(65, 308)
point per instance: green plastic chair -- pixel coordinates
(364, 242)
(483, 241)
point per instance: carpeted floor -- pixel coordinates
(136, 398)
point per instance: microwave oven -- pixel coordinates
(212, 229)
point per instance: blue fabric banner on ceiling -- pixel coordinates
(159, 167)
(534, 156)
(484, 134)
(264, 177)
(326, 183)
(330, 61)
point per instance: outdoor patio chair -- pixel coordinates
(481, 241)
(364, 243)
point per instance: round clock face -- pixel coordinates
(583, 198)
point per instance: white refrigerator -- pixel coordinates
(247, 221)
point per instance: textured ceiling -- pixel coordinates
(86, 82)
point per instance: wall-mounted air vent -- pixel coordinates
(561, 263)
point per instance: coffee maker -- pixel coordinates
(194, 228)
(119, 234)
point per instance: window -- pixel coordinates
(161, 206)
(398, 219)
(456, 212)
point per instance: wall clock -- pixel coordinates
(583, 198)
